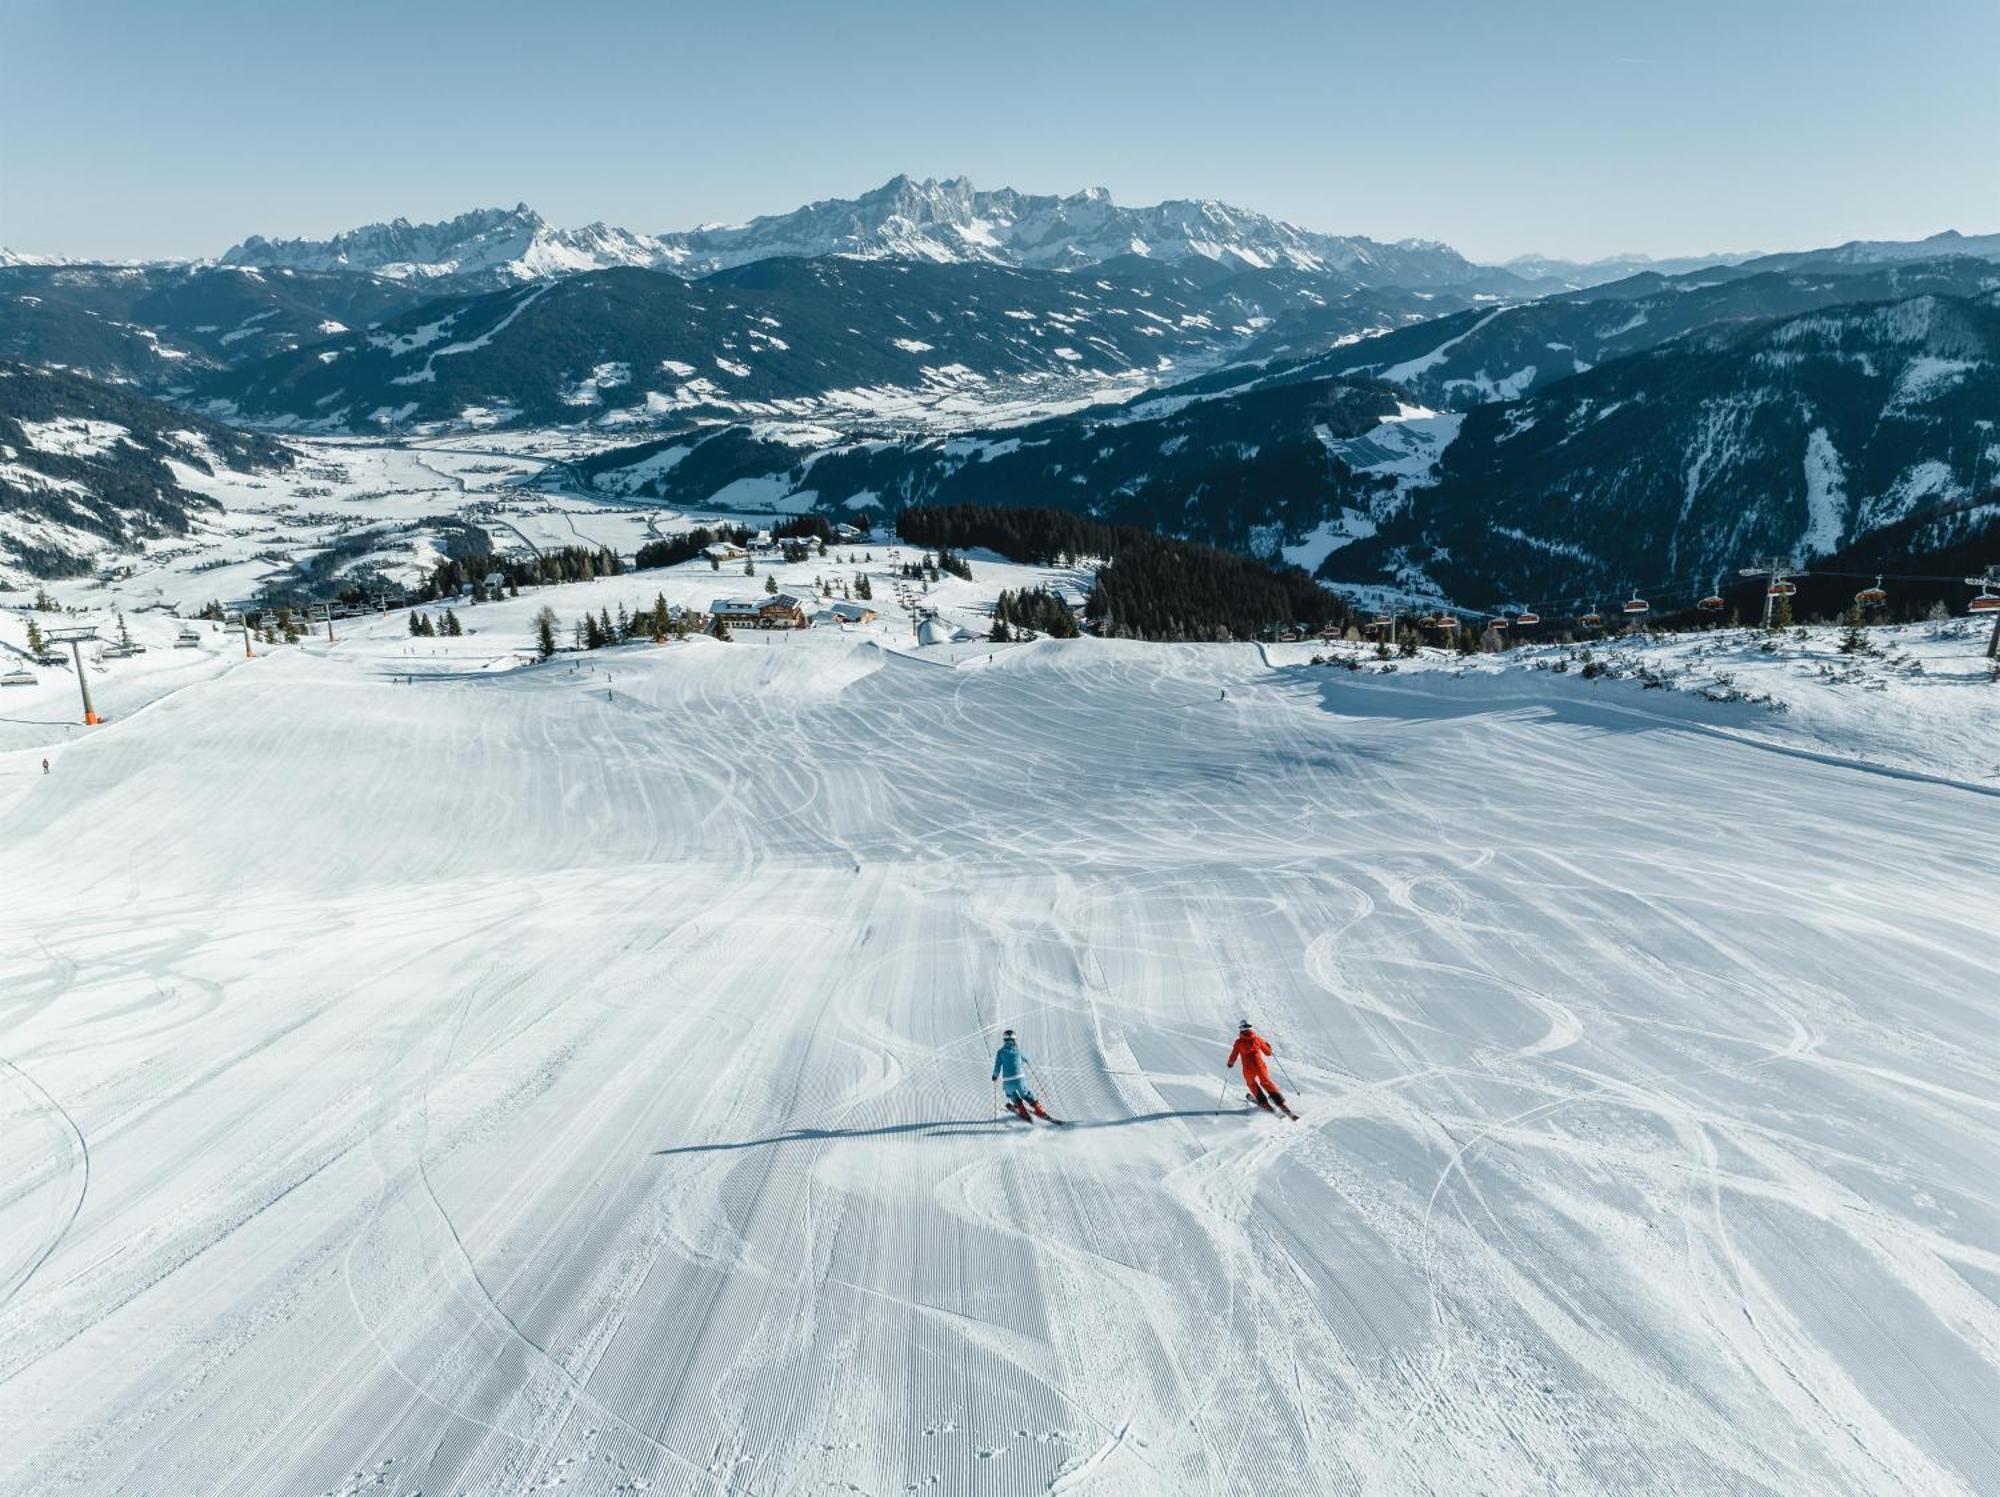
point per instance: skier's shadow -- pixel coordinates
(938, 1128)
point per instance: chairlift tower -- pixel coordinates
(74, 638)
(1779, 571)
(241, 621)
(1986, 602)
(322, 613)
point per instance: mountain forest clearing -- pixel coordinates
(425, 1072)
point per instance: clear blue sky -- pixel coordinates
(175, 127)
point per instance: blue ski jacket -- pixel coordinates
(1009, 1063)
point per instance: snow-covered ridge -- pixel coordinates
(511, 243)
(946, 222)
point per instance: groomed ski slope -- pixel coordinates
(510, 1080)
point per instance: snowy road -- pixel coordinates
(510, 1080)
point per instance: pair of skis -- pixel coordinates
(1273, 1104)
(1021, 1111)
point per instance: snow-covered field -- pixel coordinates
(420, 1073)
(389, 494)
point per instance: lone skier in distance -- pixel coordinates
(1251, 1048)
(1010, 1067)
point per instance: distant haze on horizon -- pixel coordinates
(1553, 127)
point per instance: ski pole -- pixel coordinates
(1288, 1077)
(1042, 1086)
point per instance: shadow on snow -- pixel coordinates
(940, 1128)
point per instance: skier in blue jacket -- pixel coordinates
(1010, 1067)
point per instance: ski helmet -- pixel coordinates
(1244, 1025)
(1006, 1034)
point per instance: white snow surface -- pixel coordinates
(425, 1072)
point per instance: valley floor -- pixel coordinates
(423, 1078)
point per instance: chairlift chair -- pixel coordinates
(1713, 603)
(1986, 603)
(1591, 620)
(1527, 620)
(1637, 606)
(1872, 597)
(1782, 589)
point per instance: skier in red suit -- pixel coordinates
(1250, 1049)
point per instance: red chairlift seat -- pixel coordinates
(1526, 619)
(1592, 621)
(1496, 623)
(1986, 603)
(1711, 604)
(1637, 605)
(1872, 597)
(1782, 589)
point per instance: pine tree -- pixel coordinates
(545, 633)
(605, 636)
(124, 633)
(37, 645)
(771, 585)
(625, 630)
(999, 634)
(1854, 641)
(416, 624)
(662, 620)
(749, 566)
(863, 588)
(452, 626)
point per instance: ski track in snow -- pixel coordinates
(500, 1083)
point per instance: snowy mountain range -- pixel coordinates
(1577, 274)
(831, 338)
(947, 222)
(502, 244)
(952, 221)
(1389, 415)
(1769, 414)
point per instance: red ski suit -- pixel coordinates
(1251, 1048)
